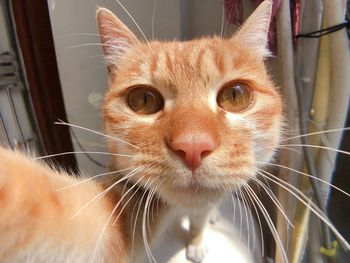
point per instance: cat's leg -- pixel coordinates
(37, 222)
(196, 248)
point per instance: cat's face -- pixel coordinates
(202, 114)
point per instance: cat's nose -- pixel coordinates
(193, 151)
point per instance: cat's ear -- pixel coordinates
(254, 32)
(116, 37)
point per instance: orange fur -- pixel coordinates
(34, 214)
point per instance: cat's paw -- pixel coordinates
(196, 252)
(214, 216)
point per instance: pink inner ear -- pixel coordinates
(115, 36)
(113, 41)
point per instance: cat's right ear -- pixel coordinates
(115, 36)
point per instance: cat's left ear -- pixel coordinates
(254, 32)
(115, 36)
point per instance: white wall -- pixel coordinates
(201, 18)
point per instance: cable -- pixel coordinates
(325, 31)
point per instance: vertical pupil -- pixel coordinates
(144, 101)
(234, 94)
(235, 97)
(145, 98)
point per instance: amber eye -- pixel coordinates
(235, 97)
(145, 100)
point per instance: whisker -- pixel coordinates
(89, 144)
(156, 190)
(136, 24)
(110, 217)
(246, 215)
(60, 122)
(269, 222)
(222, 21)
(119, 45)
(149, 211)
(249, 202)
(136, 218)
(103, 230)
(312, 206)
(240, 213)
(104, 192)
(260, 225)
(318, 147)
(292, 132)
(225, 188)
(316, 133)
(311, 176)
(82, 34)
(124, 195)
(87, 45)
(81, 152)
(113, 59)
(144, 231)
(234, 205)
(275, 201)
(126, 185)
(116, 44)
(126, 203)
(91, 178)
(290, 149)
(153, 16)
(228, 20)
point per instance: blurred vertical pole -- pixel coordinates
(334, 12)
(307, 59)
(288, 158)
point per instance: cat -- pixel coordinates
(207, 111)
(185, 122)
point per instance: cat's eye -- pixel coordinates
(235, 97)
(145, 100)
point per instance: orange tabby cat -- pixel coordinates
(187, 121)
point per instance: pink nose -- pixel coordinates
(193, 152)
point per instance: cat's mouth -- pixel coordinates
(191, 189)
(194, 185)
(203, 181)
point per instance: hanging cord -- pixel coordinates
(325, 31)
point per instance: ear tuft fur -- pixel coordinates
(115, 36)
(254, 32)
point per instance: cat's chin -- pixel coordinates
(190, 195)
